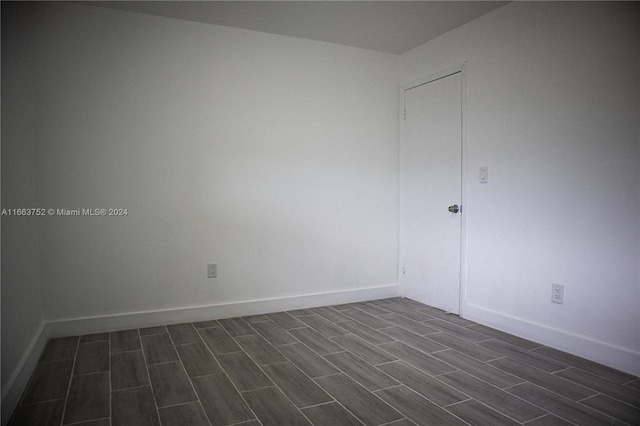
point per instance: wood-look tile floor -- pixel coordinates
(384, 362)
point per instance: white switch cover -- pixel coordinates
(484, 174)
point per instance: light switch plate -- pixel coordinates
(484, 174)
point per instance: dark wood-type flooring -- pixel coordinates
(385, 362)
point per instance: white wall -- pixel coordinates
(22, 317)
(274, 157)
(552, 110)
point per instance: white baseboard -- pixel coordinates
(89, 325)
(603, 353)
(18, 381)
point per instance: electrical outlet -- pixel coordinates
(212, 270)
(557, 293)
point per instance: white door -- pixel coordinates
(432, 182)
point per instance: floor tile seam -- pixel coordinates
(395, 361)
(490, 408)
(415, 347)
(568, 381)
(125, 352)
(40, 402)
(525, 380)
(278, 362)
(446, 409)
(357, 381)
(84, 421)
(255, 322)
(246, 335)
(547, 413)
(301, 371)
(568, 364)
(636, 407)
(73, 367)
(229, 330)
(367, 325)
(521, 351)
(93, 372)
(92, 343)
(493, 386)
(327, 375)
(435, 376)
(190, 343)
(295, 328)
(244, 422)
(430, 400)
(391, 423)
(255, 361)
(425, 371)
(403, 317)
(562, 415)
(205, 328)
(210, 349)
(561, 370)
(478, 377)
(165, 362)
(152, 334)
(399, 385)
(488, 383)
(224, 371)
(612, 382)
(153, 393)
(428, 354)
(320, 404)
(193, 388)
(345, 307)
(229, 335)
(581, 400)
(55, 360)
(597, 391)
(558, 396)
(308, 347)
(131, 387)
(341, 405)
(461, 337)
(226, 353)
(603, 413)
(363, 387)
(180, 404)
(275, 386)
(330, 320)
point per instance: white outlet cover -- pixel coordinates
(557, 293)
(212, 270)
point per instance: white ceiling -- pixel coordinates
(385, 26)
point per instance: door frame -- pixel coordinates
(402, 229)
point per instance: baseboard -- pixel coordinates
(89, 325)
(601, 352)
(18, 381)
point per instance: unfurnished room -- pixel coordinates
(320, 213)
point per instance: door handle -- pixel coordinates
(454, 208)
